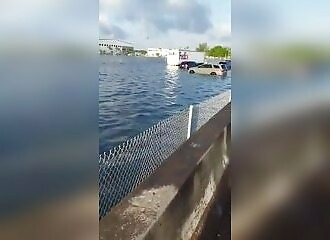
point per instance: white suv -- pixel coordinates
(209, 69)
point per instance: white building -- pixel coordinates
(113, 46)
(165, 52)
(176, 56)
(157, 52)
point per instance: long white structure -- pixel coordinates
(157, 52)
(176, 56)
(113, 46)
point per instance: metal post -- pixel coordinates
(189, 121)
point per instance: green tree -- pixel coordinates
(228, 52)
(219, 51)
(202, 47)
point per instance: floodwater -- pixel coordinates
(137, 92)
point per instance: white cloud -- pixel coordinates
(221, 34)
(103, 19)
(109, 4)
(178, 3)
(163, 23)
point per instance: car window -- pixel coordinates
(216, 66)
(223, 66)
(205, 66)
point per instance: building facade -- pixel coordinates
(115, 47)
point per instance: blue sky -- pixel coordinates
(166, 23)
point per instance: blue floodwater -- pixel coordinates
(137, 92)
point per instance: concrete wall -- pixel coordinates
(181, 220)
(173, 202)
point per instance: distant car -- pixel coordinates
(209, 69)
(223, 67)
(187, 64)
(227, 63)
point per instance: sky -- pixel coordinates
(166, 23)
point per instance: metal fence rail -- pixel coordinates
(123, 168)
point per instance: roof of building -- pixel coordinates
(117, 42)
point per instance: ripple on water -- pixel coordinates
(136, 93)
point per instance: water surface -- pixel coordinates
(137, 92)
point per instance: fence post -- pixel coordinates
(189, 121)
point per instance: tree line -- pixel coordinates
(217, 51)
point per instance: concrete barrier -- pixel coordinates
(173, 202)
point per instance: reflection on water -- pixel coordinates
(171, 83)
(137, 92)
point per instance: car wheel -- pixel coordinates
(191, 71)
(213, 73)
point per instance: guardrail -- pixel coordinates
(124, 167)
(174, 201)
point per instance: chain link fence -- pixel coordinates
(204, 111)
(123, 168)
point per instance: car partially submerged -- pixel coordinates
(227, 63)
(188, 64)
(209, 69)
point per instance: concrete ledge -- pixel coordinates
(171, 202)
